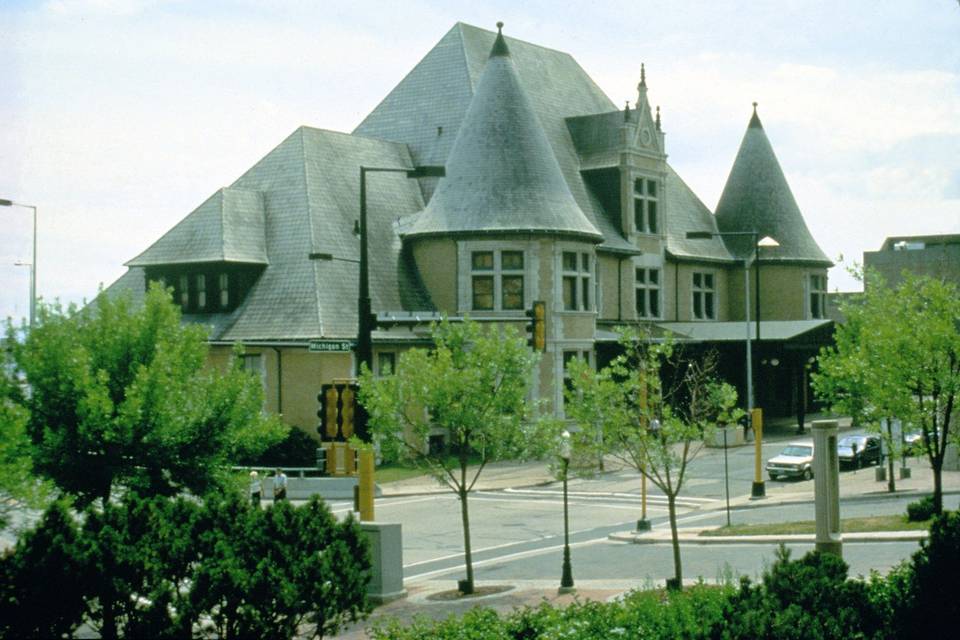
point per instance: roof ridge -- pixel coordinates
(310, 225)
(223, 223)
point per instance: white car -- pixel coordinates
(795, 461)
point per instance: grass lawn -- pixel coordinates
(393, 471)
(895, 522)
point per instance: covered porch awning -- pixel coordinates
(736, 331)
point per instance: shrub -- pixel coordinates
(933, 605)
(297, 449)
(806, 598)
(921, 510)
(155, 567)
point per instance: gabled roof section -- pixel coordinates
(758, 198)
(501, 175)
(228, 227)
(308, 187)
(688, 213)
(425, 110)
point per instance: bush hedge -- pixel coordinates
(165, 568)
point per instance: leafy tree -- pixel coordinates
(628, 412)
(19, 487)
(898, 355)
(471, 387)
(122, 396)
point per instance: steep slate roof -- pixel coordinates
(426, 109)
(309, 189)
(757, 197)
(685, 212)
(501, 174)
(228, 227)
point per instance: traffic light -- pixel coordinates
(340, 415)
(537, 326)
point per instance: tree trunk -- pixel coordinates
(677, 570)
(467, 555)
(938, 487)
(891, 483)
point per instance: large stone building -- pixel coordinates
(935, 256)
(551, 193)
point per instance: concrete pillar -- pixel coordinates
(826, 474)
(386, 556)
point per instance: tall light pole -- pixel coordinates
(33, 261)
(365, 319)
(758, 490)
(566, 579)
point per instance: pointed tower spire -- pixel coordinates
(758, 198)
(499, 45)
(502, 175)
(642, 88)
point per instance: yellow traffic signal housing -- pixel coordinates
(537, 326)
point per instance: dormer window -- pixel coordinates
(645, 206)
(184, 292)
(201, 291)
(223, 282)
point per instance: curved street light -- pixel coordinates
(33, 262)
(566, 579)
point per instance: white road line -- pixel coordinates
(506, 558)
(612, 494)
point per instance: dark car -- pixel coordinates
(859, 451)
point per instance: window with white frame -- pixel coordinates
(647, 283)
(817, 288)
(645, 205)
(497, 280)
(704, 295)
(576, 280)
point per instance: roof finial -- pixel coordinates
(643, 75)
(626, 112)
(754, 119)
(499, 45)
(658, 117)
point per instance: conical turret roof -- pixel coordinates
(501, 174)
(758, 198)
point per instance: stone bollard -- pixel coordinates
(826, 474)
(386, 556)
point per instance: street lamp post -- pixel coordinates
(726, 471)
(365, 319)
(758, 490)
(33, 262)
(566, 579)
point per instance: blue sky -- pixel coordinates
(121, 116)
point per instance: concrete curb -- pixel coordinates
(663, 537)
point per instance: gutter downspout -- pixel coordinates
(279, 380)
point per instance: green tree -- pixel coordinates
(19, 487)
(471, 387)
(629, 413)
(121, 395)
(898, 355)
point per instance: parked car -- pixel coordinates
(913, 442)
(795, 461)
(859, 451)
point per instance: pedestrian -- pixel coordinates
(255, 488)
(279, 485)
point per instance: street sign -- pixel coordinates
(332, 346)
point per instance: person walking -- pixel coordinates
(255, 488)
(279, 485)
